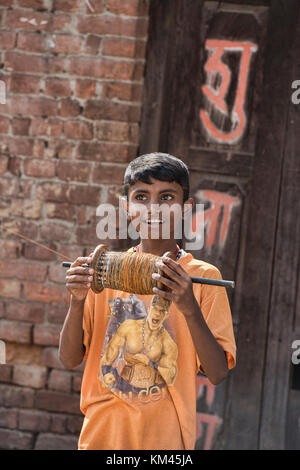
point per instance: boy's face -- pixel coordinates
(156, 208)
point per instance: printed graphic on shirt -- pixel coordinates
(139, 355)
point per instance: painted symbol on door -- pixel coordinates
(219, 79)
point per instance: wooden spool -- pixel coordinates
(128, 272)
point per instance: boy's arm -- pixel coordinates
(211, 354)
(78, 282)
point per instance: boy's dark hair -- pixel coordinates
(160, 166)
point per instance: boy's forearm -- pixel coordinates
(210, 353)
(71, 349)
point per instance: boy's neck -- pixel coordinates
(157, 247)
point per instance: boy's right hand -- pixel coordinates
(79, 279)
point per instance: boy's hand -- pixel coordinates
(78, 278)
(180, 285)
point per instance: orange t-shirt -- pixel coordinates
(139, 384)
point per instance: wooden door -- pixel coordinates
(218, 95)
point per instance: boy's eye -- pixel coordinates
(140, 197)
(167, 197)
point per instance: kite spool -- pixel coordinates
(132, 272)
(128, 272)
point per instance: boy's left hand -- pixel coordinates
(180, 285)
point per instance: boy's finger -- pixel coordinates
(167, 282)
(162, 293)
(176, 266)
(81, 260)
(170, 272)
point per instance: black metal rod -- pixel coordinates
(195, 280)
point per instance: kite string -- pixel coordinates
(36, 243)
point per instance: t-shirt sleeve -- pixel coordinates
(216, 311)
(88, 321)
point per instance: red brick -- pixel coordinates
(27, 354)
(4, 125)
(9, 186)
(23, 270)
(92, 45)
(57, 87)
(19, 397)
(46, 335)
(18, 62)
(14, 166)
(5, 208)
(73, 171)
(28, 229)
(55, 192)
(66, 44)
(39, 168)
(20, 19)
(15, 440)
(26, 208)
(35, 4)
(60, 211)
(25, 312)
(51, 127)
(37, 292)
(69, 108)
(77, 380)
(10, 289)
(56, 65)
(58, 423)
(60, 381)
(61, 22)
(26, 105)
(7, 40)
(15, 331)
(122, 91)
(71, 6)
(10, 249)
(32, 420)
(69, 193)
(56, 442)
(36, 252)
(94, 7)
(103, 152)
(85, 89)
(88, 195)
(8, 417)
(57, 274)
(60, 149)
(16, 145)
(57, 401)
(20, 126)
(57, 313)
(105, 68)
(3, 165)
(30, 376)
(78, 130)
(112, 25)
(74, 424)
(123, 47)
(105, 174)
(55, 231)
(96, 109)
(50, 358)
(24, 84)
(32, 42)
(6, 373)
(130, 7)
(117, 131)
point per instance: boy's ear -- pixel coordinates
(188, 207)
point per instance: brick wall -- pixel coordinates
(74, 77)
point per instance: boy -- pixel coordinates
(139, 383)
